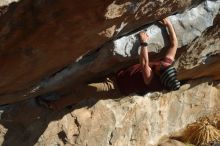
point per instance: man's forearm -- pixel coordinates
(171, 51)
(144, 60)
(172, 34)
(144, 56)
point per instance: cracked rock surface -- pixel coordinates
(134, 120)
(44, 77)
(44, 38)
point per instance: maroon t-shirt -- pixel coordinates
(131, 80)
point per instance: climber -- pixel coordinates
(139, 78)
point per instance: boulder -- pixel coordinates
(42, 66)
(39, 38)
(133, 120)
(202, 56)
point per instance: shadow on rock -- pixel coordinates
(26, 122)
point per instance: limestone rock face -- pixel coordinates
(141, 120)
(202, 56)
(134, 120)
(187, 25)
(51, 66)
(39, 38)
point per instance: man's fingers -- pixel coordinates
(142, 33)
(143, 36)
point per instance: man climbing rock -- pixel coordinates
(139, 78)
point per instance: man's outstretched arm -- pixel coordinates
(144, 60)
(171, 52)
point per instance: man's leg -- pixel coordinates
(102, 90)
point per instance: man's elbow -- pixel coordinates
(147, 75)
(147, 79)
